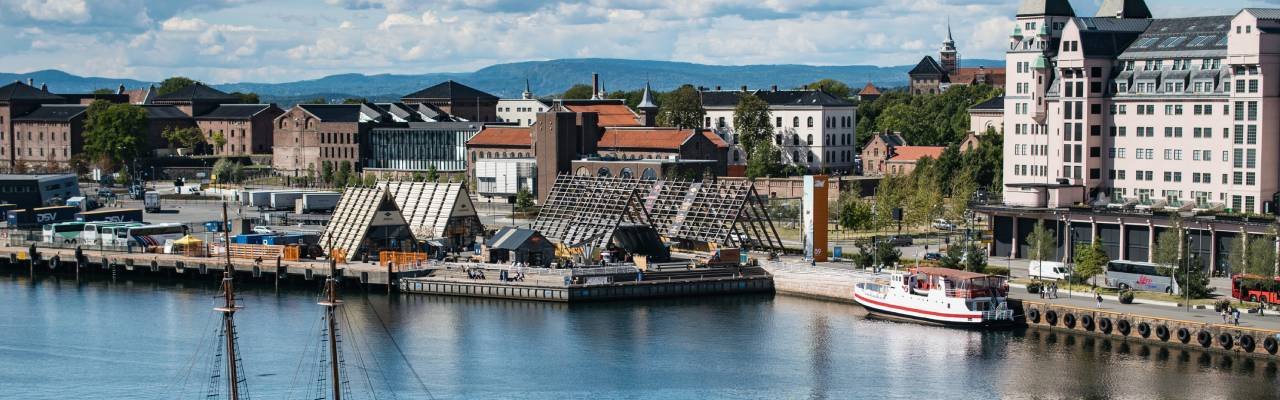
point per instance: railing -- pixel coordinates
(997, 315)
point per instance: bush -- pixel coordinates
(995, 270)
(1220, 305)
(1126, 297)
(1034, 287)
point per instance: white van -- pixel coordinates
(1049, 270)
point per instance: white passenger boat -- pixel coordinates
(939, 296)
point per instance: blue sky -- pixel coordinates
(286, 40)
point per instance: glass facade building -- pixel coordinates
(420, 146)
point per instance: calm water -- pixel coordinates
(149, 340)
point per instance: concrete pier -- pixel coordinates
(552, 285)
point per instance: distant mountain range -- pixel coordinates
(545, 77)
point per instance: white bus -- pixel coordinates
(62, 232)
(149, 235)
(1139, 275)
(95, 232)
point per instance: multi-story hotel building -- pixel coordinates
(1120, 127)
(1173, 112)
(810, 127)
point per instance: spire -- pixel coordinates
(646, 99)
(528, 92)
(949, 44)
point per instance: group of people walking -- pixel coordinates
(1049, 291)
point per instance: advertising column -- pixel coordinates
(814, 217)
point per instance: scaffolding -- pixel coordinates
(590, 208)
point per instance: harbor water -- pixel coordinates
(152, 340)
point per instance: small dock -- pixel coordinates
(588, 284)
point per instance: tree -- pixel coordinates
(975, 260)
(891, 194)
(247, 98)
(853, 213)
(113, 132)
(831, 86)
(1195, 281)
(954, 258)
(433, 175)
(228, 171)
(418, 177)
(344, 170)
(1167, 251)
(1090, 259)
(1257, 256)
(924, 199)
(962, 188)
(751, 122)
(316, 100)
(370, 180)
(183, 137)
(354, 100)
(1042, 242)
(174, 84)
(764, 162)
(887, 254)
(326, 172)
(524, 199)
(578, 92)
(219, 140)
(682, 108)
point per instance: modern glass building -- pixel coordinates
(420, 146)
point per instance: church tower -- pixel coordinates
(948, 57)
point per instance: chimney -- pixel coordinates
(774, 88)
(595, 85)
(744, 88)
(121, 89)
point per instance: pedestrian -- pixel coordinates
(1236, 314)
(1098, 297)
(1224, 314)
(1042, 290)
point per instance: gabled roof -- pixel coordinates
(344, 112)
(994, 104)
(54, 113)
(652, 138)
(198, 92)
(915, 153)
(1123, 9)
(869, 90)
(428, 206)
(401, 111)
(236, 111)
(730, 98)
(19, 91)
(927, 66)
(1264, 13)
(610, 114)
(505, 136)
(513, 238)
(892, 139)
(977, 75)
(1030, 8)
(164, 112)
(354, 215)
(450, 90)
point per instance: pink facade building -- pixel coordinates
(1122, 108)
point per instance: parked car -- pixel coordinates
(932, 256)
(263, 230)
(899, 241)
(942, 224)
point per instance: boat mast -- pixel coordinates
(228, 313)
(330, 304)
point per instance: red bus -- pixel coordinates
(1256, 288)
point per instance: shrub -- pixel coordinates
(1126, 297)
(1034, 287)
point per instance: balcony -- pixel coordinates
(1017, 33)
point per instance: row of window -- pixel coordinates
(40, 136)
(518, 109)
(337, 138)
(1030, 170)
(1236, 178)
(337, 152)
(832, 122)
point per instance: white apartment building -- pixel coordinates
(1130, 110)
(810, 127)
(522, 111)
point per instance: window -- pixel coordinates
(810, 124)
(795, 122)
(778, 122)
(809, 139)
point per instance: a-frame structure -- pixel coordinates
(587, 210)
(366, 220)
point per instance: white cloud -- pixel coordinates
(73, 11)
(179, 24)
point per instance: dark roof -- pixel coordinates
(1190, 36)
(341, 112)
(995, 103)
(1046, 7)
(892, 139)
(450, 90)
(164, 112)
(54, 113)
(1124, 9)
(21, 91)
(510, 238)
(729, 98)
(1264, 13)
(401, 110)
(236, 111)
(198, 92)
(927, 66)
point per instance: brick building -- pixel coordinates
(934, 76)
(879, 149)
(196, 99)
(308, 135)
(247, 128)
(47, 138)
(18, 99)
(458, 100)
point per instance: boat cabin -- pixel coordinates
(956, 283)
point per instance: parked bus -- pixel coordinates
(1138, 275)
(95, 232)
(1256, 288)
(63, 232)
(150, 235)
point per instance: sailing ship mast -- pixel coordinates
(228, 313)
(330, 304)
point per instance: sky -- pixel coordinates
(227, 41)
